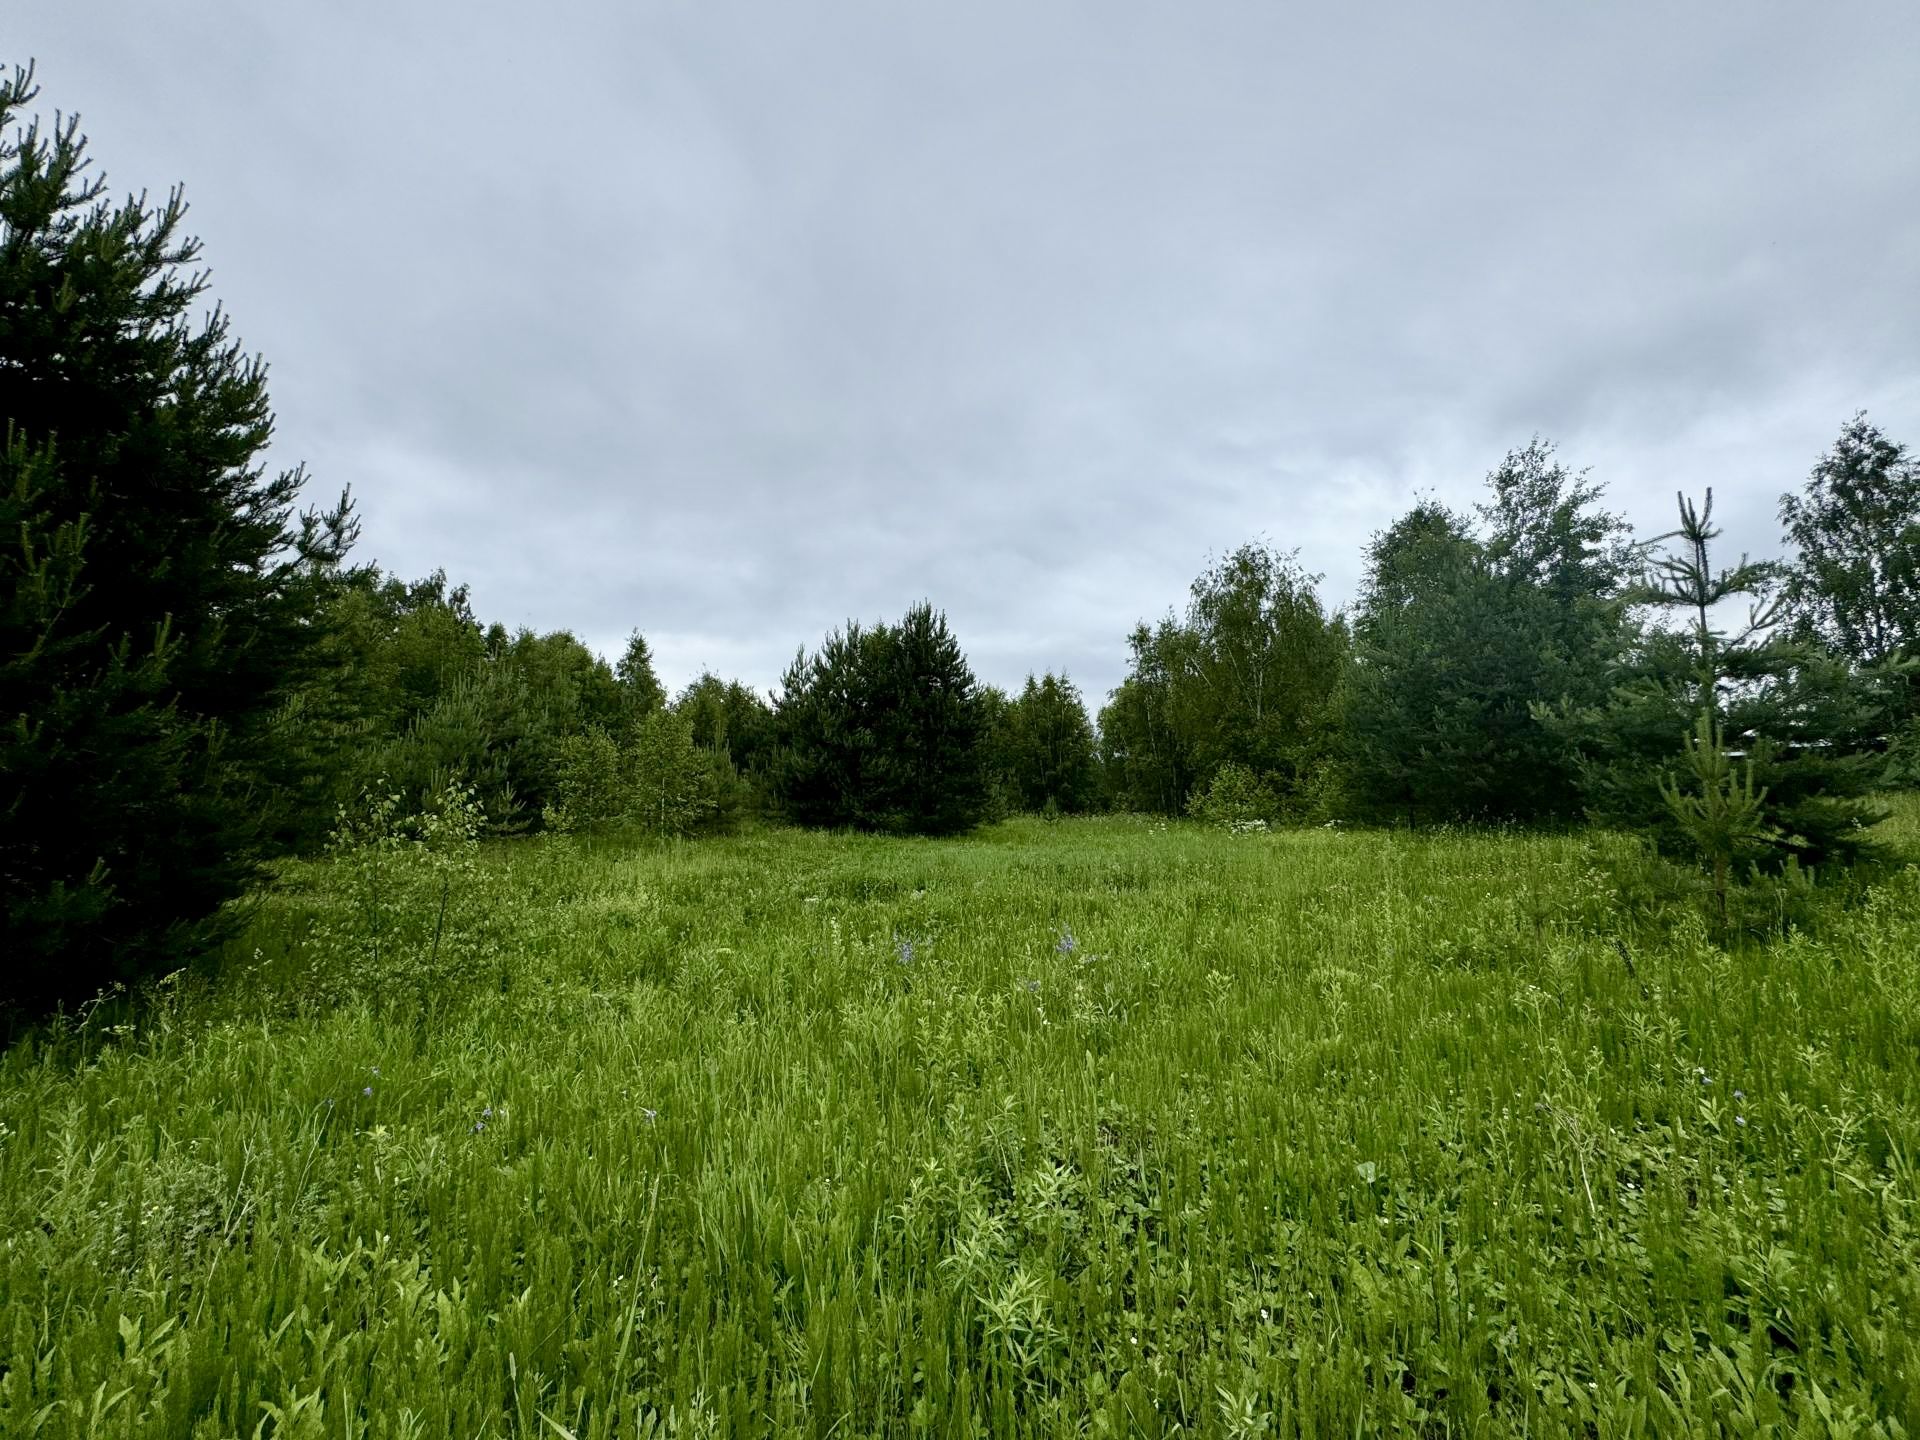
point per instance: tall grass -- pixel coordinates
(1092, 1128)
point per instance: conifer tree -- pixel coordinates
(1049, 747)
(640, 688)
(157, 590)
(1807, 724)
(883, 729)
(1722, 815)
(1460, 636)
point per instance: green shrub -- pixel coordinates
(401, 928)
(1236, 798)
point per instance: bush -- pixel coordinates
(1236, 798)
(401, 929)
(590, 785)
(655, 778)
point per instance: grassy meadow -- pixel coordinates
(1103, 1127)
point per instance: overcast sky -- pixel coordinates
(732, 321)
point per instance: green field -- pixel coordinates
(1103, 1127)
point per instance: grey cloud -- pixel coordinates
(732, 322)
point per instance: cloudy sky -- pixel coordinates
(733, 321)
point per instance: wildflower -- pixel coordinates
(651, 1115)
(1741, 1121)
(487, 1114)
(478, 1126)
(1032, 986)
(375, 1069)
(906, 952)
(1739, 1094)
(368, 1090)
(1067, 944)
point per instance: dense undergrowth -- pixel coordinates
(1103, 1127)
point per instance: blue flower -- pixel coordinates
(906, 952)
(1067, 944)
(367, 1091)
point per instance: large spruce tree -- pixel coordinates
(1461, 635)
(157, 589)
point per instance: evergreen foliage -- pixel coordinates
(157, 592)
(1048, 745)
(640, 689)
(1810, 725)
(1460, 635)
(590, 783)
(654, 777)
(490, 731)
(883, 729)
(1723, 816)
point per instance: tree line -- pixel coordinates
(196, 676)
